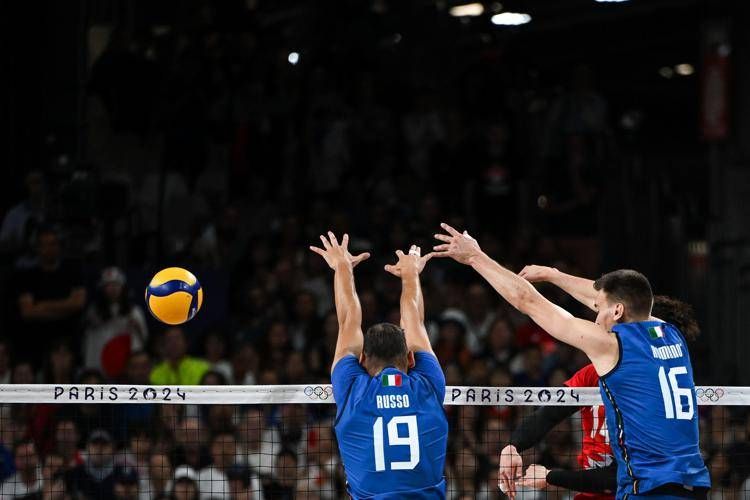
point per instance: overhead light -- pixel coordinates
(467, 10)
(510, 19)
(293, 58)
(666, 72)
(684, 69)
(610, 1)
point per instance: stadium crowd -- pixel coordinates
(232, 173)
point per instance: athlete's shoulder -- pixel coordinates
(585, 377)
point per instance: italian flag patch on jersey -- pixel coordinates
(655, 332)
(391, 380)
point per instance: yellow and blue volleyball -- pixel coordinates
(174, 296)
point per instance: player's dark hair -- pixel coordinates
(385, 342)
(677, 313)
(629, 287)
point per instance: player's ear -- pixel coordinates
(410, 359)
(619, 311)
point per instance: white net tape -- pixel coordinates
(286, 394)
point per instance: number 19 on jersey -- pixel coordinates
(411, 439)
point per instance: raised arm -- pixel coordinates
(600, 346)
(581, 289)
(408, 269)
(348, 309)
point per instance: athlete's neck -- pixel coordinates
(375, 370)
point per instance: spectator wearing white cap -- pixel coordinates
(115, 327)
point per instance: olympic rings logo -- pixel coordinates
(319, 392)
(709, 394)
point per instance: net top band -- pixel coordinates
(323, 394)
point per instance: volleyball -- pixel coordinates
(174, 296)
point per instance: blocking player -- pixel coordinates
(388, 386)
(597, 478)
(645, 374)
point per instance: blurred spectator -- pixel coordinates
(139, 368)
(23, 373)
(451, 343)
(27, 479)
(258, 443)
(115, 327)
(66, 443)
(243, 483)
(185, 486)
(5, 360)
(22, 220)
(10, 432)
(212, 479)
(190, 444)
(177, 368)
(138, 372)
(284, 481)
(305, 325)
(479, 317)
(51, 297)
(499, 344)
(138, 451)
(245, 361)
(53, 478)
(531, 373)
(96, 477)
(58, 367)
(158, 481)
(126, 484)
(215, 347)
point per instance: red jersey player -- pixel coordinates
(595, 451)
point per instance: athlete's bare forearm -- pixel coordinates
(581, 289)
(348, 309)
(412, 313)
(508, 284)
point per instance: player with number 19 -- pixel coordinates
(388, 386)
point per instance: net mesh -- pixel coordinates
(268, 442)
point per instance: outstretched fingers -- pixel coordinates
(326, 244)
(360, 258)
(333, 239)
(450, 229)
(318, 251)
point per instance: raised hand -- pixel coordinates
(511, 468)
(459, 246)
(535, 274)
(535, 478)
(413, 262)
(336, 254)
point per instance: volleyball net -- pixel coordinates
(277, 442)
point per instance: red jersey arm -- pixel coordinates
(585, 377)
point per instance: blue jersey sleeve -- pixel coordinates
(426, 365)
(343, 376)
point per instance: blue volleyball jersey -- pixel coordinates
(651, 409)
(391, 429)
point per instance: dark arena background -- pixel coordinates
(223, 137)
